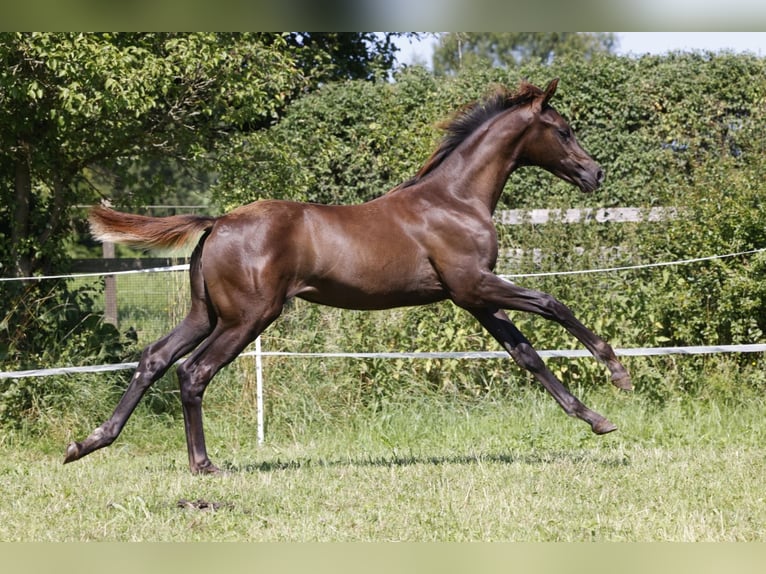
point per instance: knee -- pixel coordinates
(527, 358)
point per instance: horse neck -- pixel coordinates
(478, 169)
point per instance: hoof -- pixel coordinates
(72, 452)
(207, 468)
(603, 427)
(622, 382)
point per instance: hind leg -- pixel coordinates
(219, 349)
(155, 361)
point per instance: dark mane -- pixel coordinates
(468, 119)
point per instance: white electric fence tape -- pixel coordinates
(258, 354)
(693, 350)
(563, 353)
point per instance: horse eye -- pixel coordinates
(565, 133)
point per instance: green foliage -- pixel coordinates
(64, 319)
(347, 142)
(54, 325)
(332, 56)
(682, 131)
(650, 121)
(677, 131)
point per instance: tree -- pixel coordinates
(119, 115)
(69, 102)
(511, 49)
(333, 56)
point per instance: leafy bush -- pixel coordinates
(54, 325)
(682, 131)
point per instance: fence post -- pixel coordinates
(259, 389)
(110, 288)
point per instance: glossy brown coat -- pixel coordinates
(429, 239)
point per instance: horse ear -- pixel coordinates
(550, 90)
(542, 100)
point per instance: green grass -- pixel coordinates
(434, 469)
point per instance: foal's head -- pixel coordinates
(551, 144)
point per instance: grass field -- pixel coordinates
(435, 469)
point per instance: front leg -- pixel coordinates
(492, 291)
(520, 349)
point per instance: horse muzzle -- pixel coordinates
(591, 179)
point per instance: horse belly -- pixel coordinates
(357, 257)
(374, 288)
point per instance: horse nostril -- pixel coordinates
(600, 176)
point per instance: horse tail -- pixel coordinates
(145, 232)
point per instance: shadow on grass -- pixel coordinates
(395, 460)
